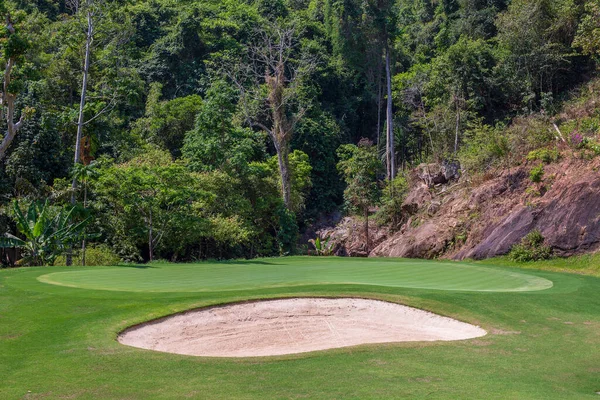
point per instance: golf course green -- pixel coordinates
(58, 330)
(421, 274)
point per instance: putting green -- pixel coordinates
(296, 271)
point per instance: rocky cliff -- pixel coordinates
(457, 219)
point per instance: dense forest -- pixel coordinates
(194, 129)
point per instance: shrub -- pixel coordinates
(95, 255)
(536, 174)
(485, 148)
(390, 211)
(529, 133)
(544, 155)
(531, 248)
(322, 247)
(592, 146)
(287, 235)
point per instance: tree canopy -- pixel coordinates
(216, 124)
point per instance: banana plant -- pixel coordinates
(322, 247)
(45, 237)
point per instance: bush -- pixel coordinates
(485, 148)
(544, 155)
(536, 174)
(529, 133)
(390, 211)
(531, 248)
(287, 236)
(95, 255)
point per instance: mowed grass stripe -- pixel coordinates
(295, 271)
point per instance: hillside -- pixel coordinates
(220, 129)
(554, 189)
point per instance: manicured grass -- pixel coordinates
(243, 275)
(59, 342)
(586, 264)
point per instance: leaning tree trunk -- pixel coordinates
(391, 157)
(457, 125)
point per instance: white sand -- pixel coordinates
(275, 327)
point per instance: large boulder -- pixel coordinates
(348, 237)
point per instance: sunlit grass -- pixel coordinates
(60, 342)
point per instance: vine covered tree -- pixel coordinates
(270, 84)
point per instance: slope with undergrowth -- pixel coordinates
(538, 174)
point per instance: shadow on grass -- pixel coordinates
(242, 262)
(136, 266)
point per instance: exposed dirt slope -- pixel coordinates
(462, 220)
(488, 219)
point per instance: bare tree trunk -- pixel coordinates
(390, 117)
(457, 126)
(284, 172)
(8, 100)
(271, 62)
(84, 85)
(83, 241)
(150, 239)
(367, 229)
(379, 95)
(80, 121)
(282, 128)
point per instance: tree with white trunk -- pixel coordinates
(14, 47)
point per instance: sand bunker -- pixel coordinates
(288, 326)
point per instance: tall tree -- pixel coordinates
(360, 166)
(276, 68)
(14, 47)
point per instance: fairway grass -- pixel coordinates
(299, 271)
(58, 341)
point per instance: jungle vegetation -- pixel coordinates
(197, 129)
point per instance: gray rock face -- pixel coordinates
(502, 237)
(439, 174)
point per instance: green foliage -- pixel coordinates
(390, 210)
(46, 236)
(529, 133)
(217, 142)
(461, 70)
(546, 156)
(287, 233)
(588, 32)
(536, 174)
(485, 147)
(166, 122)
(323, 247)
(95, 255)
(531, 248)
(300, 171)
(149, 193)
(360, 166)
